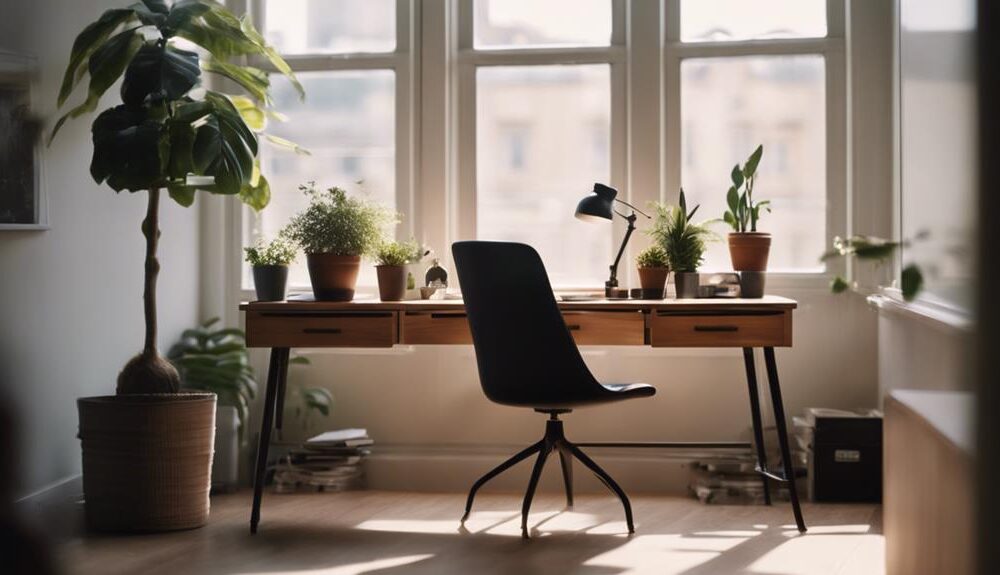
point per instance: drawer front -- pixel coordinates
(435, 328)
(321, 329)
(606, 327)
(588, 328)
(761, 329)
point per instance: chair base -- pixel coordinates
(554, 440)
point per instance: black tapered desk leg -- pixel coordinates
(758, 428)
(275, 373)
(779, 422)
(279, 408)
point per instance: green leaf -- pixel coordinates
(149, 16)
(730, 219)
(737, 176)
(254, 80)
(299, 360)
(287, 144)
(181, 193)
(224, 146)
(272, 55)
(182, 12)
(733, 200)
(86, 43)
(839, 285)
(751, 166)
(256, 195)
(182, 137)
(911, 282)
(158, 6)
(128, 150)
(160, 73)
(105, 66)
(254, 117)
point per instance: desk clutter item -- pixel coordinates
(843, 452)
(330, 461)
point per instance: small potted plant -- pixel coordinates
(653, 269)
(684, 243)
(391, 258)
(334, 231)
(270, 267)
(748, 248)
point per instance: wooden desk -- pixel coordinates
(739, 323)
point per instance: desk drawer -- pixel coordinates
(587, 327)
(321, 329)
(606, 327)
(434, 328)
(744, 329)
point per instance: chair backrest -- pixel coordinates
(525, 353)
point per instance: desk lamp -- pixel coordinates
(599, 206)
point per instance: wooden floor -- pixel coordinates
(395, 533)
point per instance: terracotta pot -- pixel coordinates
(333, 277)
(270, 282)
(749, 250)
(147, 460)
(653, 278)
(391, 282)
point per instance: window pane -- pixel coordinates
(728, 20)
(330, 26)
(347, 123)
(728, 106)
(533, 23)
(542, 140)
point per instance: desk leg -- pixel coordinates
(779, 422)
(758, 427)
(275, 375)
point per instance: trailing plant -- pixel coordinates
(277, 252)
(878, 250)
(396, 253)
(169, 132)
(338, 224)
(682, 240)
(216, 360)
(652, 257)
(743, 211)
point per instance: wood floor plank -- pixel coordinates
(390, 533)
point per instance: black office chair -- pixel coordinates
(527, 357)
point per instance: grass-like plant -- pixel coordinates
(682, 240)
(169, 132)
(743, 211)
(652, 257)
(397, 253)
(277, 252)
(338, 224)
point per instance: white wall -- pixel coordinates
(70, 297)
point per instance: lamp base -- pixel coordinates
(615, 293)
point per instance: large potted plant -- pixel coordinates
(684, 242)
(334, 231)
(147, 451)
(748, 248)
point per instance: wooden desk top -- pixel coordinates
(768, 302)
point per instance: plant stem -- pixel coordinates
(151, 229)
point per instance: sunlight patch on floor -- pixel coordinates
(797, 556)
(668, 554)
(498, 523)
(354, 568)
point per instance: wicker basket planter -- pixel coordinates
(147, 460)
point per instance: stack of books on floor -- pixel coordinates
(331, 461)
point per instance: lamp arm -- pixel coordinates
(613, 282)
(633, 208)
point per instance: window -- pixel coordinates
(540, 127)
(753, 73)
(348, 120)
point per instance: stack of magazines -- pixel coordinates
(330, 461)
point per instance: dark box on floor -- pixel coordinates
(845, 455)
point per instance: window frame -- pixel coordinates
(469, 59)
(832, 48)
(403, 62)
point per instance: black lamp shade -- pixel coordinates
(597, 206)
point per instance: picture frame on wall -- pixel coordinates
(22, 203)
